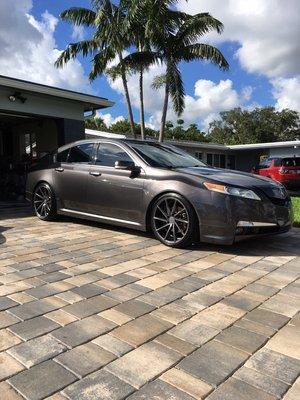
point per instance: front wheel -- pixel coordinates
(174, 221)
(44, 203)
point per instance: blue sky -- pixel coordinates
(264, 61)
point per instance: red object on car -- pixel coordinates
(285, 170)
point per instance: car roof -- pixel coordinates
(106, 139)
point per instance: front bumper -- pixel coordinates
(226, 219)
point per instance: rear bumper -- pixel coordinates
(228, 219)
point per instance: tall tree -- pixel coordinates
(109, 40)
(171, 44)
(260, 125)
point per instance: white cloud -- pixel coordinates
(287, 93)
(109, 119)
(267, 31)
(78, 33)
(209, 99)
(28, 49)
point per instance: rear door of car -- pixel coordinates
(113, 193)
(71, 175)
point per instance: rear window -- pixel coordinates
(291, 162)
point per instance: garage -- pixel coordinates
(36, 119)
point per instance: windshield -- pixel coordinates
(291, 162)
(165, 156)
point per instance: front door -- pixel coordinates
(112, 193)
(71, 175)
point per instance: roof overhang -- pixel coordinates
(271, 145)
(88, 101)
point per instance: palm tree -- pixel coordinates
(172, 44)
(143, 19)
(109, 40)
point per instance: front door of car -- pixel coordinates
(115, 193)
(71, 175)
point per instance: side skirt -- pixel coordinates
(101, 218)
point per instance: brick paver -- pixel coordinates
(91, 312)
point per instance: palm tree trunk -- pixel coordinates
(142, 109)
(164, 114)
(126, 91)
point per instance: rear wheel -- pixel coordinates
(44, 203)
(174, 221)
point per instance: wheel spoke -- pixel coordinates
(162, 227)
(167, 207)
(178, 227)
(163, 213)
(168, 231)
(182, 221)
(174, 233)
(179, 212)
(161, 219)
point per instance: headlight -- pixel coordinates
(232, 191)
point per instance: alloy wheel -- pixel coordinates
(171, 220)
(42, 201)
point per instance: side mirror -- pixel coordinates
(128, 165)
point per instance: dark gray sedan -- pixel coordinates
(150, 186)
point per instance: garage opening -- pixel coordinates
(23, 139)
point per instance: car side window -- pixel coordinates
(62, 156)
(108, 154)
(82, 153)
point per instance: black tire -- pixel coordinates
(174, 221)
(44, 202)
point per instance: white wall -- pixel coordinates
(285, 152)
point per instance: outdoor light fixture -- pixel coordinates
(17, 96)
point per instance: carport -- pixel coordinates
(35, 119)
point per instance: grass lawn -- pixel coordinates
(296, 206)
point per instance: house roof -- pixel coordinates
(224, 147)
(253, 146)
(89, 102)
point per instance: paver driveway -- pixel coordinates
(90, 312)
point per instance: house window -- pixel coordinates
(199, 155)
(209, 159)
(216, 160)
(222, 161)
(231, 162)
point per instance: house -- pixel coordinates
(35, 119)
(242, 156)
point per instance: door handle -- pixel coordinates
(94, 173)
(60, 169)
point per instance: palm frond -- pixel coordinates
(196, 26)
(159, 81)
(79, 16)
(141, 59)
(85, 47)
(176, 87)
(201, 51)
(100, 62)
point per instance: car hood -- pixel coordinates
(238, 178)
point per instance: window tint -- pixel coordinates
(266, 163)
(82, 153)
(165, 156)
(277, 162)
(62, 155)
(108, 154)
(291, 162)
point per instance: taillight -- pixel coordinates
(284, 171)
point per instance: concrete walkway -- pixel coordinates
(88, 312)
